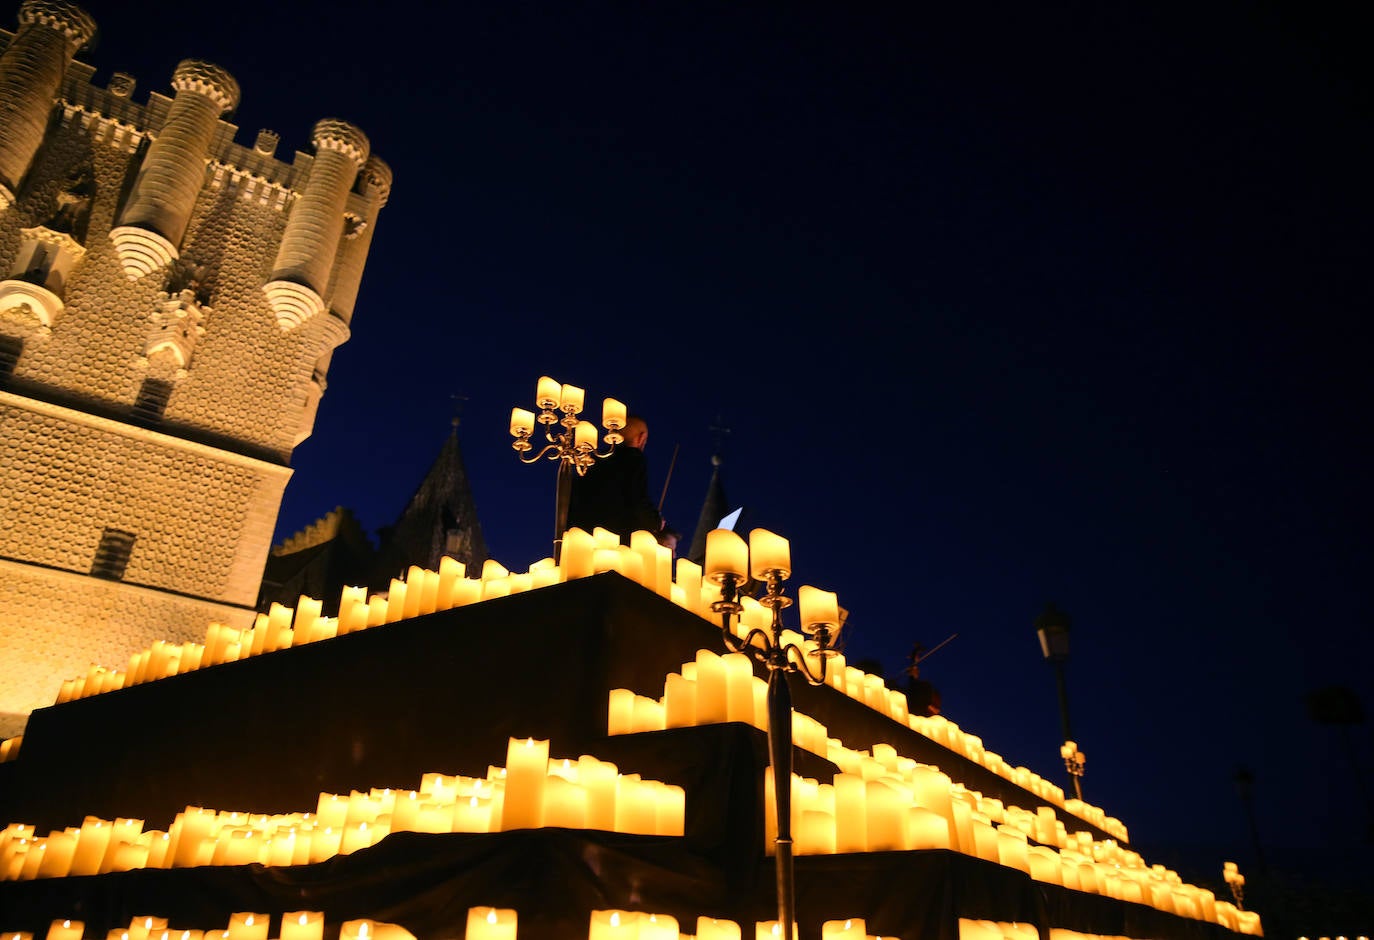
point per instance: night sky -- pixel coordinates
(1001, 305)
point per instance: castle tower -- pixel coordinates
(150, 396)
(50, 33)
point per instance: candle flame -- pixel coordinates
(491, 916)
(362, 931)
(304, 919)
(615, 918)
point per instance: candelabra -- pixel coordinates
(767, 559)
(1236, 881)
(571, 442)
(1074, 760)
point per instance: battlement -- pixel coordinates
(129, 120)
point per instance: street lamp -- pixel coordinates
(571, 442)
(1052, 627)
(767, 559)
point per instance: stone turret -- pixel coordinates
(173, 173)
(358, 232)
(316, 225)
(50, 33)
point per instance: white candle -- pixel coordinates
(576, 557)
(570, 400)
(302, 925)
(246, 926)
(726, 554)
(527, 768)
(547, 393)
(612, 414)
(521, 422)
(851, 929)
(769, 552)
(613, 925)
(489, 923)
(709, 928)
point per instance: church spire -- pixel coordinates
(715, 506)
(440, 519)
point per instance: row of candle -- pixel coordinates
(639, 925)
(922, 811)
(718, 688)
(711, 689)
(531, 791)
(884, 801)
(483, 923)
(296, 925)
(645, 561)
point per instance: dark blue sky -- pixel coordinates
(1002, 304)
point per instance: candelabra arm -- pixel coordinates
(541, 455)
(797, 657)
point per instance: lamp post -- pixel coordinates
(767, 559)
(571, 442)
(1052, 627)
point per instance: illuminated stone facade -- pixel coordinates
(169, 303)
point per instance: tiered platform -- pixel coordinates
(445, 693)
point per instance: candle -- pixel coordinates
(584, 435)
(708, 928)
(396, 601)
(712, 698)
(576, 557)
(612, 414)
(816, 833)
(66, 930)
(613, 925)
(929, 830)
(726, 554)
(302, 925)
(657, 927)
(739, 687)
(247, 926)
(521, 422)
(489, 923)
(886, 816)
(570, 400)
(92, 842)
(547, 392)
(679, 701)
(769, 553)
(472, 814)
(850, 929)
(851, 813)
(527, 768)
(817, 607)
(598, 778)
(414, 591)
(620, 712)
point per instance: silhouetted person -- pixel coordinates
(922, 698)
(614, 493)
